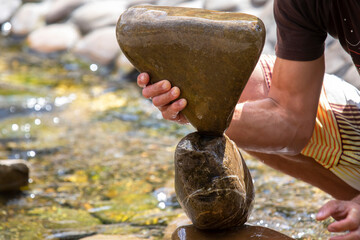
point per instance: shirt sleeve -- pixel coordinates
(300, 36)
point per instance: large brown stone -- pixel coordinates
(209, 55)
(212, 183)
(246, 232)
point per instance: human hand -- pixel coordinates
(164, 97)
(347, 216)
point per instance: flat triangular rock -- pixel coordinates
(209, 55)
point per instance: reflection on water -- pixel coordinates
(102, 160)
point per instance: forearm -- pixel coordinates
(264, 126)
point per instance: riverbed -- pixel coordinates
(102, 157)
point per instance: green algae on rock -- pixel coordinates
(209, 55)
(246, 232)
(212, 182)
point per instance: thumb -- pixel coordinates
(326, 210)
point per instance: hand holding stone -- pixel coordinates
(164, 97)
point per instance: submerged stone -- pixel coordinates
(246, 232)
(209, 55)
(212, 183)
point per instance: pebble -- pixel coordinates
(97, 14)
(29, 17)
(99, 46)
(14, 174)
(54, 38)
(8, 8)
(61, 9)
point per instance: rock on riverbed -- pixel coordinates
(14, 174)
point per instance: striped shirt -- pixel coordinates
(335, 142)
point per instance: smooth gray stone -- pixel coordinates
(61, 9)
(94, 15)
(99, 46)
(29, 17)
(14, 174)
(7, 9)
(54, 38)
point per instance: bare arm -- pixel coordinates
(282, 122)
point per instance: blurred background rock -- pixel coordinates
(87, 29)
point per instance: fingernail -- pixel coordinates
(320, 215)
(165, 85)
(174, 91)
(182, 102)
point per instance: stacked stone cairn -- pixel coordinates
(209, 55)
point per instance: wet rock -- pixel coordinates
(245, 232)
(7, 9)
(99, 46)
(220, 5)
(29, 17)
(180, 221)
(190, 37)
(54, 38)
(61, 9)
(97, 14)
(212, 183)
(14, 174)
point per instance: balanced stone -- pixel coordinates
(208, 54)
(246, 232)
(212, 182)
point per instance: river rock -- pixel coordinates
(54, 38)
(246, 232)
(14, 174)
(94, 15)
(29, 17)
(209, 55)
(212, 182)
(61, 9)
(8, 8)
(99, 46)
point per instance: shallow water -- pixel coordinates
(102, 158)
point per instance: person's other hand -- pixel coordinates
(347, 216)
(164, 97)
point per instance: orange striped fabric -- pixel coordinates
(325, 145)
(335, 142)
